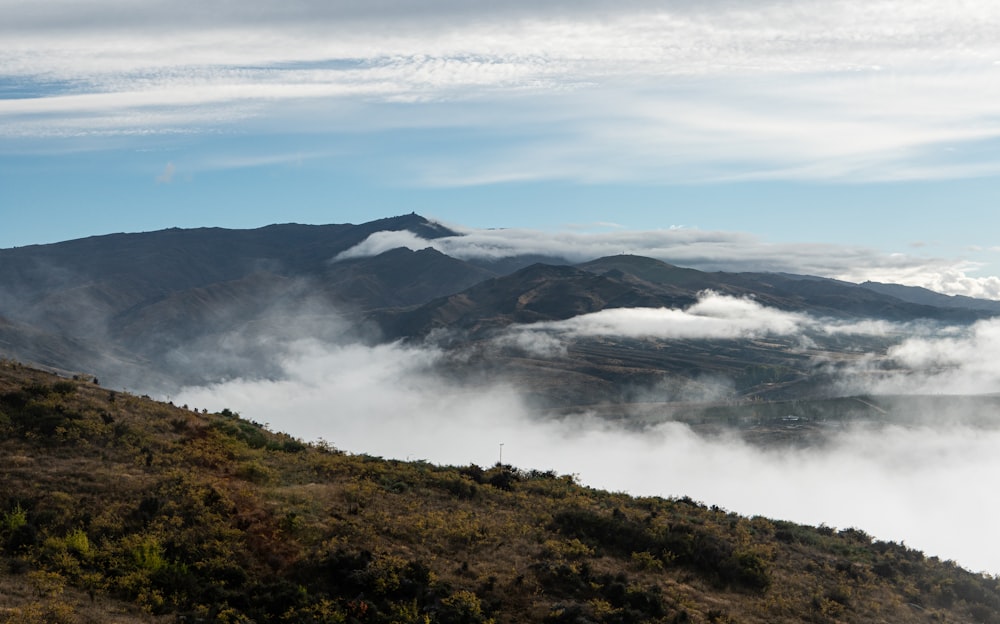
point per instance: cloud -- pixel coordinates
(916, 480)
(702, 249)
(713, 317)
(949, 361)
(381, 242)
(585, 91)
(167, 176)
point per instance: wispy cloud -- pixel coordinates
(610, 91)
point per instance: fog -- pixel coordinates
(920, 481)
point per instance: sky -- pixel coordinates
(844, 123)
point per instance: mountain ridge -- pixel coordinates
(135, 305)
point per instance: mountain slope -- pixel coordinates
(188, 514)
(118, 271)
(611, 368)
(398, 278)
(915, 294)
(149, 295)
(539, 292)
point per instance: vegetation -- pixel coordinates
(115, 508)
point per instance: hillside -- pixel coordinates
(116, 508)
(124, 305)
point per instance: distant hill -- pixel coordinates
(116, 508)
(545, 292)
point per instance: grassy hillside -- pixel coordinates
(116, 508)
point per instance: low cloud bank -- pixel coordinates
(701, 249)
(917, 483)
(713, 317)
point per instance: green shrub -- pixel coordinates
(13, 519)
(462, 607)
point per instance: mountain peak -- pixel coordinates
(419, 225)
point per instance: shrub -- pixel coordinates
(64, 388)
(566, 549)
(147, 553)
(13, 520)
(645, 561)
(462, 607)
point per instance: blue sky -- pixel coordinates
(868, 131)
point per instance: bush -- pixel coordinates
(462, 607)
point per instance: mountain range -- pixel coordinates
(158, 310)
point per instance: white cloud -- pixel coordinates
(369, 385)
(383, 241)
(721, 317)
(714, 316)
(949, 361)
(588, 91)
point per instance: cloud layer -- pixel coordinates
(591, 91)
